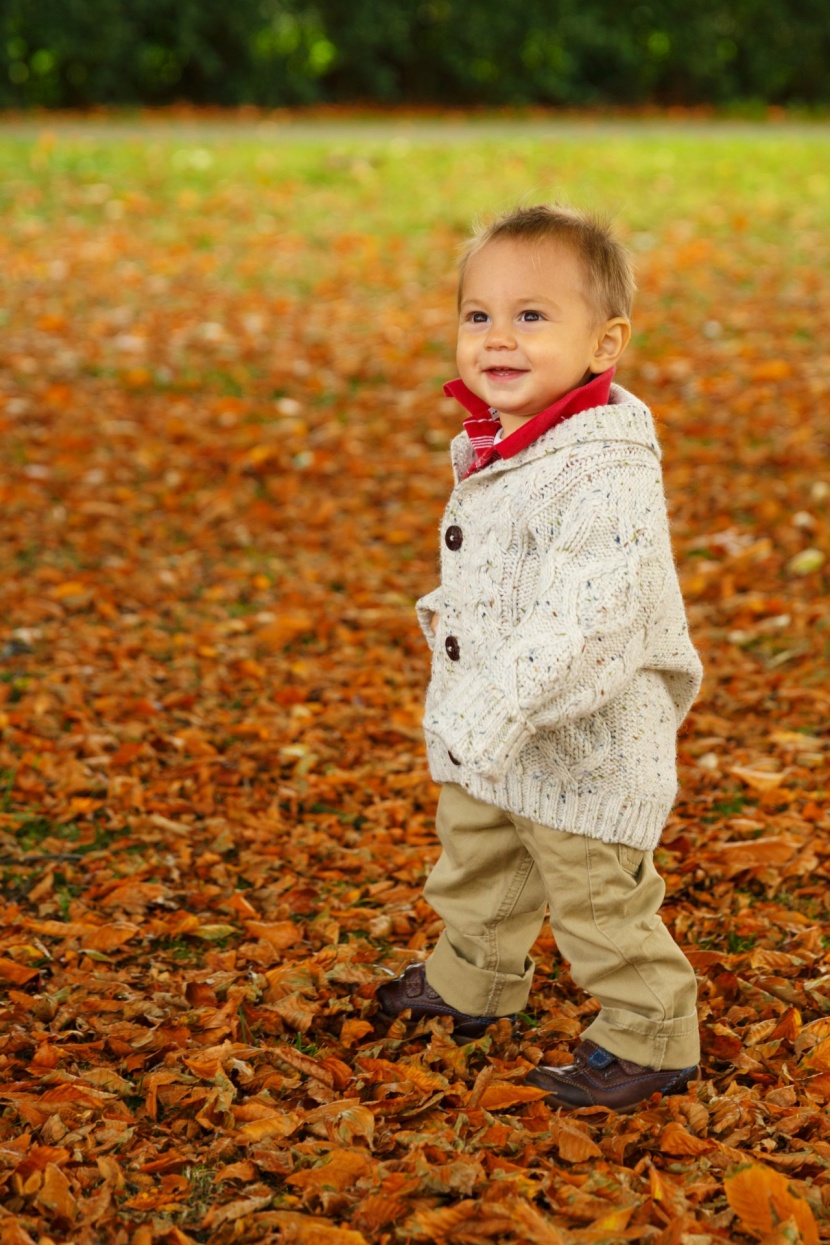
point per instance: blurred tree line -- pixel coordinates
(72, 53)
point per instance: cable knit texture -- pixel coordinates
(562, 665)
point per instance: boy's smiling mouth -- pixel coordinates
(505, 373)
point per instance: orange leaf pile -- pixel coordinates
(225, 463)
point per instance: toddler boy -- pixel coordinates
(562, 669)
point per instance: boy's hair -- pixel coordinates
(609, 278)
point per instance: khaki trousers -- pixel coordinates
(495, 876)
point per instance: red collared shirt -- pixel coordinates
(483, 427)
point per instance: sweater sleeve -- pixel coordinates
(604, 565)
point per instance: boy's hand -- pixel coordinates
(433, 622)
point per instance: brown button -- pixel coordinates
(452, 647)
(454, 760)
(453, 538)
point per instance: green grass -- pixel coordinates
(653, 178)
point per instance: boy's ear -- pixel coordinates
(612, 339)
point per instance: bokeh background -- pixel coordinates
(580, 53)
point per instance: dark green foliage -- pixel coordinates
(271, 52)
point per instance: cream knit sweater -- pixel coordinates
(562, 665)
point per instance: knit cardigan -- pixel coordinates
(562, 665)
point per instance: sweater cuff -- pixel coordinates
(484, 733)
(425, 608)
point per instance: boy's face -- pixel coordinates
(527, 333)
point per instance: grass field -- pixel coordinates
(223, 474)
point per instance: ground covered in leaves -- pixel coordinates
(223, 472)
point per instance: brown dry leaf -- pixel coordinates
(291, 624)
(615, 1221)
(317, 1069)
(755, 853)
(339, 1170)
(16, 973)
(175, 1236)
(378, 1210)
(132, 895)
(675, 1139)
(213, 931)
(535, 1228)
(757, 779)
(574, 1141)
(339, 1072)
(62, 1097)
(786, 1233)
(109, 1080)
(377, 1070)
(296, 1011)
(352, 1031)
(55, 1194)
(789, 1026)
(773, 961)
(297, 1229)
(483, 1078)
(761, 1198)
(243, 1170)
(421, 1078)
(819, 1056)
(12, 1232)
(666, 1191)
(231, 1211)
(344, 1120)
(28, 1174)
(267, 1126)
(760, 1032)
(437, 1225)
(108, 937)
(820, 1086)
(278, 934)
(499, 1095)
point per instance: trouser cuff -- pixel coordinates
(476, 991)
(665, 1044)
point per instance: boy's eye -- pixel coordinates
(477, 317)
(531, 315)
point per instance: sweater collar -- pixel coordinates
(483, 425)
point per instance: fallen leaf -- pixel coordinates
(675, 1139)
(55, 1194)
(758, 779)
(497, 1096)
(574, 1143)
(16, 973)
(762, 1199)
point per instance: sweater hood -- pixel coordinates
(625, 419)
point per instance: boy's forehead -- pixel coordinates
(538, 253)
(526, 260)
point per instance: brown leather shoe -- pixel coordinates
(412, 992)
(598, 1078)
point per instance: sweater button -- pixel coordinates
(454, 760)
(452, 647)
(454, 538)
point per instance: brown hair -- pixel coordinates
(608, 273)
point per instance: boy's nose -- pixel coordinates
(500, 337)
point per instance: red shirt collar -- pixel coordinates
(483, 426)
